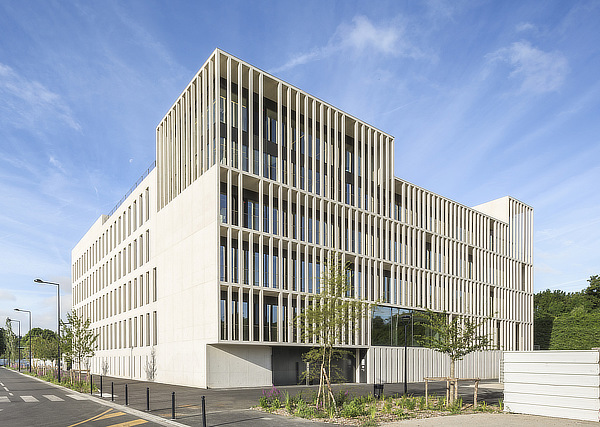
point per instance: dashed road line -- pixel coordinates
(29, 399)
(4, 399)
(5, 389)
(53, 398)
(77, 397)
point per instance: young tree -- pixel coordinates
(78, 342)
(454, 335)
(10, 340)
(328, 320)
(2, 343)
(151, 365)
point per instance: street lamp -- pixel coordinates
(43, 282)
(27, 311)
(19, 322)
(406, 317)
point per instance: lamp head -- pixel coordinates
(38, 280)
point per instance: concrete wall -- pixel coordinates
(387, 364)
(238, 366)
(186, 256)
(563, 384)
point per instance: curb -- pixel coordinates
(145, 415)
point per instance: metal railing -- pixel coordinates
(133, 187)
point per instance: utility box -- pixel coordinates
(556, 383)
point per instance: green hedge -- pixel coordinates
(542, 330)
(577, 330)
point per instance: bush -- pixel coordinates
(303, 410)
(353, 409)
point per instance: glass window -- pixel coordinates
(223, 208)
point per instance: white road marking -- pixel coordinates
(4, 399)
(2, 384)
(76, 397)
(5, 389)
(29, 399)
(10, 394)
(53, 398)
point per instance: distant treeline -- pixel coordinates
(567, 321)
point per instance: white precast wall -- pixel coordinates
(388, 364)
(563, 384)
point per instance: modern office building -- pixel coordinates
(208, 259)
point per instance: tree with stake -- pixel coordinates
(329, 319)
(453, 335)
(78, 341)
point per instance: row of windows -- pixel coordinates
(137, 331)
(247, 315)
(121, 228)
(133, 256)
(130, 295)
(416, 249)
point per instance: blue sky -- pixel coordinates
(484, 98)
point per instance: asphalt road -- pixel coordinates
(25, 401)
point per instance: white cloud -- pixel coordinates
(525, 26)
(7, 296)
(26, 103)
(357, 37)
(539, 71)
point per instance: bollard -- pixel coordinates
(100, 385)
(91, 384)
(173, 405)
(126, 396)
(112, 391)
(148, 399)
(203, 413)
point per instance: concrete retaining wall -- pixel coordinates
(563, 384)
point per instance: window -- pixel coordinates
(223, 208)
(223, 313)
(223, 262)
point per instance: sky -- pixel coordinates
(484, 98)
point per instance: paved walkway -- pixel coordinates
(491, 420)
(230, 407)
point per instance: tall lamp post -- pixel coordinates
(43, 282)
(406, 318)
(27, 311)
(19, 322)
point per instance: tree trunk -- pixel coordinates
(452, 383)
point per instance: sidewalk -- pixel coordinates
(231, 406)
(491, 420)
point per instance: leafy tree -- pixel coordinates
(578, 330)
(454, 335)
(2, 342)
(43, 343)
(11, 341)
(593, 291)
(78, 342)
(329, 317)
(549, 306)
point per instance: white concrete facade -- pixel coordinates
(213, 253)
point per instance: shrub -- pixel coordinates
(303, 410)
(353, 409)
(264, 402)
